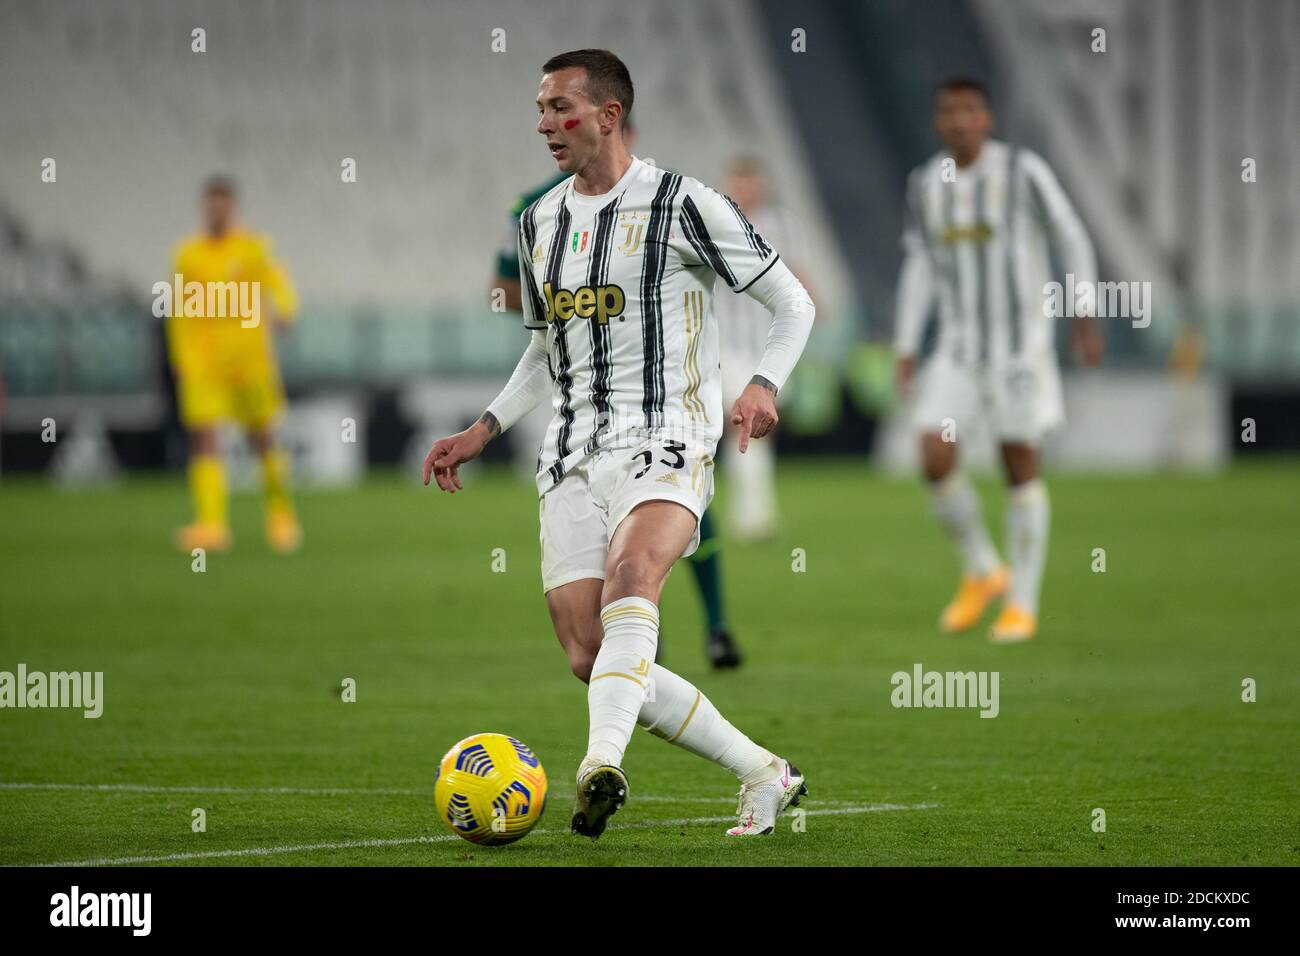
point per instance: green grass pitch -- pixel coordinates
(222, 688)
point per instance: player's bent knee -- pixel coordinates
(634, 575)
(580, 645)
(579, 648)
(937, 457)
(935, 472)
(575, 614)
(1021, 462)
(581, 661)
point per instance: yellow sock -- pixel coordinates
(275, 480)
(208, 487)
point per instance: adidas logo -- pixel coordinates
(670, 478)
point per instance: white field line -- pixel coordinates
(147, 788)
(337, 792)
(444, 838)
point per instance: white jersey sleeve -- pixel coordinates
(528, 387)
(792, 320)
(719, 236)
(1060, 223)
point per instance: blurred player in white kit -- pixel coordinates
(982, 219)
(742, 334)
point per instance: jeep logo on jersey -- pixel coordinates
(605, 302)
(978, 232)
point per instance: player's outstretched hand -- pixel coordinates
(448, 454)
(754, 413)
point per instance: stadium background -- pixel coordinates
(397, 332)
(225, 684)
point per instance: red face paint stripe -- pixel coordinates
(569, 124)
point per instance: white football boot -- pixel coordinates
(760, 804)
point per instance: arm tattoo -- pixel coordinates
(766, 383)
(490, 421)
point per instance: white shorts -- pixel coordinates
(1020, 399)
(580, 514)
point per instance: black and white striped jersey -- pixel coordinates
(978, 243)
(622, 284)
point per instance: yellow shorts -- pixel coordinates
(251, 395)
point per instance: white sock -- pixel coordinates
(676, 711)
(619, 676)
(957, 507)
(1028, 519)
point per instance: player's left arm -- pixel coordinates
(278, 285)
(793, 312)
(1066, 231)
(722, 238)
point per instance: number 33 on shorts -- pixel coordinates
(581, 512)
(668, 469)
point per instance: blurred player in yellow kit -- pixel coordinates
(226, 368)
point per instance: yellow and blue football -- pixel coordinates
(490, 789)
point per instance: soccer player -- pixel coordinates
(618, 265)
(226, 368)
(981, 215)
(706, 563)
(742, 331)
